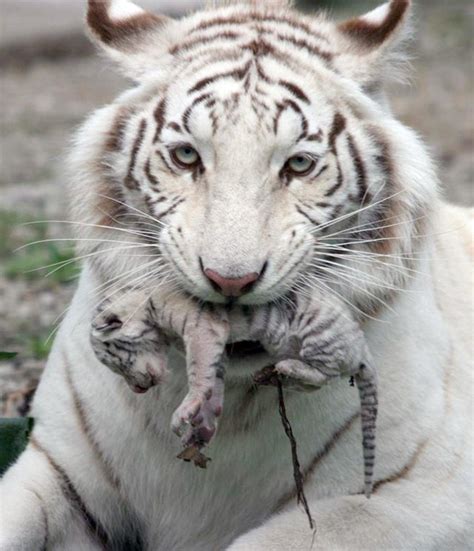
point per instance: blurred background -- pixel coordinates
(50, 80)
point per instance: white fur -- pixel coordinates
(123, 9)
(378, 15)
(420, 346)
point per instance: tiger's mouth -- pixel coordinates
(244, 349)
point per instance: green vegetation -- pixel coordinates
(38, 346)
(7, 355)
(44, 264)
(14, 435)
(36, 260)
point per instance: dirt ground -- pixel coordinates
(49, 82)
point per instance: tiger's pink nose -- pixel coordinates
(231, 287)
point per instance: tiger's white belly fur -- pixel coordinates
(120, 454)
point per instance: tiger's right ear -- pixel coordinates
(128, 34)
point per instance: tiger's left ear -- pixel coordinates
(131, 36)
(372, 43)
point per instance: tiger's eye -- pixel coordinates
(185, 156)
(300, 164)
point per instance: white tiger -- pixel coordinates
(257, 153)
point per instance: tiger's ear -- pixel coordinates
(128, 34)
(372, 43)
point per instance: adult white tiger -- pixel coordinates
(252, 138)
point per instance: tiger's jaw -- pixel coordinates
(272, 285)
(274, 269)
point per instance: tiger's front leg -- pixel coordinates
(125, 338)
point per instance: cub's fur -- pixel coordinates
(254, 92)
(311, 340)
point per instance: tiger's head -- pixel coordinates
(256, 154)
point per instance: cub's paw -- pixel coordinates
(195, 420)
(297, 375)
(127, 341)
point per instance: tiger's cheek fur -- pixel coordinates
(248, 89)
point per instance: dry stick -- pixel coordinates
(268, 376)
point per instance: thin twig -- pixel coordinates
(269, 377)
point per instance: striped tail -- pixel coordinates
(367, 384)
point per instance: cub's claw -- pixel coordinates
(195, 421)
(187, 414)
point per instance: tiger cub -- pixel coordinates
(312, 340)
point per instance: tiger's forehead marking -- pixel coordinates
(280, 36)
(254, 79)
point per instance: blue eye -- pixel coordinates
(185, 156)
(300, 164)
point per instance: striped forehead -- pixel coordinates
(232, 31)
(246, 67)
(247, 91)
(278, 108)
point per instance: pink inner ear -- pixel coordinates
(374, 29)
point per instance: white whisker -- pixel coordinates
(72, 239)
(354, 213)
(146, 215)
(89, 225)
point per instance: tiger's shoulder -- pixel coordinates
(452, 265)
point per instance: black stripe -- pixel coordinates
(301, 43)
(236, 74)
(159, 115)
(200, 41)
(360, 169)
(295, 90)
(339, 182)
(306, 215)
(175, 126)
(171, 208)
(187, 113)
(165, 162)
(323, 169)
(70, 493)
(262, 18)
(317, 137)
(130, 180)
(293, 105)
(151, 178)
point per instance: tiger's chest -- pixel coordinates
(250, 473)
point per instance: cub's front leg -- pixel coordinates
(205, 331)
(130, 335)
(125, 338)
